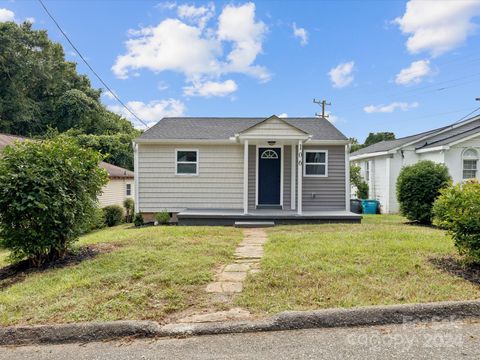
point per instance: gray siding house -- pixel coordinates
(222, 170)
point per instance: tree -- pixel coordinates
(357, 180)
(354, 145)
(374, 138)
(39, 89)
(48, 195)
(418, 186)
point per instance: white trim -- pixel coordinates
(185, 141)
(347, 178)
(292, 178)
(245, 177)
(470, 158)
(258, 146)
(305, 162)
(387, 200)
(328, 142)
(427, 150)
(136, 180)
(127, 185)
(369, 155)
(300, 178)
(187, 162)
(466, 138)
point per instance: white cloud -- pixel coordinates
(332, 118)
(438, 26)
(211, 88)
(150, 112)
(195, 49)
(300, 33)
(389, 108)
(414, 73)
(341, 75)
(168, 5)
(283, 115)
(107, 94)
(6, 15)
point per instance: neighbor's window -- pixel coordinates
(187, 162)
(128, 189)
(315, 163)
(470, 161)
(367, 171)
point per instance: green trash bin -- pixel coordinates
(369, 206)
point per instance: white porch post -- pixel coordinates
(347, 177)
(300, 176)
(245, 177)
(293, 199)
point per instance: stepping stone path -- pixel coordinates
(247, 260)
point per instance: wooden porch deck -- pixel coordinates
(228, 217)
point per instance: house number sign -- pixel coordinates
(300, 154)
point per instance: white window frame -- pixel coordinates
(305, 163)
(367, 171)
(476, 159)
(126, 189)
(187, 162)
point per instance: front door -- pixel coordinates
(269, 169)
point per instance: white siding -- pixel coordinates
(219, 184)
(114, 193)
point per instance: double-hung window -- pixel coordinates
(186, 162)
(128, 189)
(470, 164)
(316, 163)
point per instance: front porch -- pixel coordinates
(228, 217)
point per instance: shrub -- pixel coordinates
(48, 193)
(417, 188)
(457, 209)
(138, 220)
(162, 217)
(357, 180)
(113, 215)
(96, 221)
(129, 206)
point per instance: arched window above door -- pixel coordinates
(269, 154)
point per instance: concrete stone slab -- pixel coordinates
(237, 267)
(235, 276)
(214, 287)
(232, 287)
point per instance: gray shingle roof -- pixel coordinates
(211, 128)
(451, 135)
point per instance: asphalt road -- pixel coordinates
(446, 340)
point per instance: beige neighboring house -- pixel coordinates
(119, 187)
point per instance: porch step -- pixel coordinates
(254, 224)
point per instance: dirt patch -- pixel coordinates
(455, 267)
(12, 274)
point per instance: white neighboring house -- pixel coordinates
(120, 184)
(457, 146)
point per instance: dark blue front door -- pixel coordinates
(269, 176)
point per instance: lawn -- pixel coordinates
(146, 273)
(381, 261)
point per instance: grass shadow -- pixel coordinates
(458, 268)
(15, 273)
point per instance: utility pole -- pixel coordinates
(323, 104)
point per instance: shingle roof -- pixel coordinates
(112, 170)
(437, 137)
(211, 128)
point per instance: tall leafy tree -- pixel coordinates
(374, 138)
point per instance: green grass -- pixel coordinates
(148, 273)
(381, 261)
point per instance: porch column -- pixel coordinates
(299, 176)
(245, 177)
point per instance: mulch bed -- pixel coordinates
(455, 267)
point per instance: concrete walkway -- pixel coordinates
(247, 259)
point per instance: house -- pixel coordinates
(223, 170)
(121, 181)
(456, 145)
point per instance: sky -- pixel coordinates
(401, 66)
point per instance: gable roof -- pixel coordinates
(214, 128)
(113, 171)
(427, 139)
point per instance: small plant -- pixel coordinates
(138, 219)
(357, 180)
(162, 218)
(129, 206)
(113, 215)
(457, 209)
(418, 186)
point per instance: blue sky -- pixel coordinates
(384, 65)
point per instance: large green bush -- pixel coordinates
(113, 215)
(138, 219)
(457, 209)
(417, 188)
(48, 193)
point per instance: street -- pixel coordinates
(441, 340)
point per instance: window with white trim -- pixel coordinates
(470, 164)
(367, 171)
(186, 162)
(128, 189)
(315, 163)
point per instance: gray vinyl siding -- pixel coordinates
(326, 193)
(252, 176)
(219, 184)
(287, 177)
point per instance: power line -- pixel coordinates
(90, 67)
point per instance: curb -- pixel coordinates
(289, 320)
